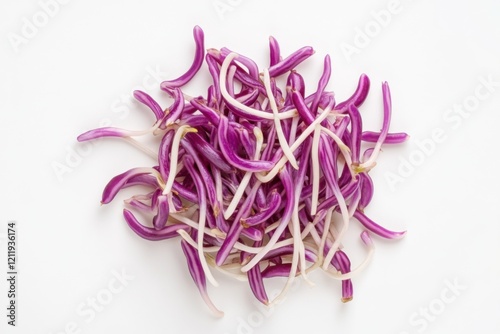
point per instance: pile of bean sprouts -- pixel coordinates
(252, 177)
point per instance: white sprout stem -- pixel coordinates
(191, 211)
(307, 230)
(272, 227)
(237, 196)
(140, 197)
(265, 102)
(326, 228)
(218, 187)
(256, 250)
(201, 232)
(141, 147)
(302, 250)
(184, 235)
(225, 269)
(370, 163)
(232, 265)
(297, 237)
(345, 226)
(174, 156)
(187, 98)
(238, 245)
(332, 118)
(171, 207)
(271, 244)
(317, 240)
(298, 252)
(314, 241)
(230, 78)
(239, 277)
(293, 129)
(343, 148)
(359, 268)
(291, 276)
(218, 233)
(315, 169)
(185, 220)
(303, 136)
(238, 104)
(218, 313)
(160, 131)
(132, 133)
(180, 166)
(334, 233)
(314, 235)
(277, 123)
(353, 205)
(246, 178)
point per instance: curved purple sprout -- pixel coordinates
(150, 103)
(175, 110)
(149, 233)
(274, 51)
(391, 138)
(197, 62)
(356, 126)
(375, 228)
(253, 69)
(161, 218)
(265, 214)
(278, 270)
(118, 182)
(213, 156)
(163, 154)
(290, 62)
(366, 185)
(344, 266)
(103, 132)
(233, 158)
(359, 95)
(323, 81)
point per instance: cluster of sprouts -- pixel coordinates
(257, 181)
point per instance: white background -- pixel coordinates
(80, 68)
